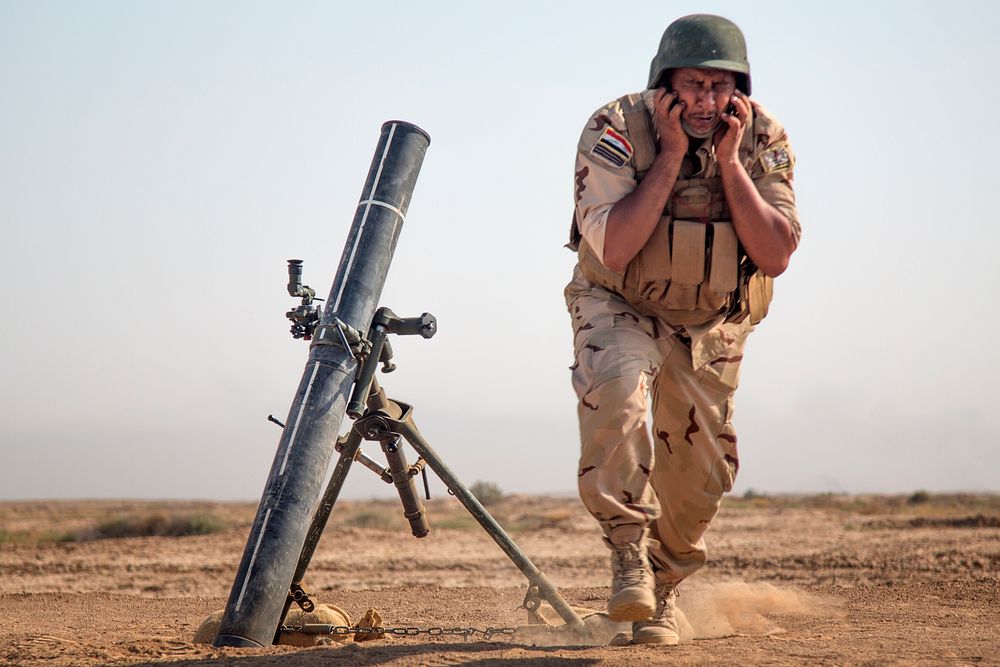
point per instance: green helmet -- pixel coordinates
(702, 40)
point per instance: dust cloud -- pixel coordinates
(740, 608)
(705, 611)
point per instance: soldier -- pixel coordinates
(684, 214)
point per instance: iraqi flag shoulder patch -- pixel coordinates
(612, 147)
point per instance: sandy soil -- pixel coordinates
(789, 582)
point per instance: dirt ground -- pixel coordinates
(791, 581)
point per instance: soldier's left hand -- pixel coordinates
(730, 134)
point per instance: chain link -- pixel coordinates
(465, 633)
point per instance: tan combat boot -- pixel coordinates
(662, 628)
(631, 583)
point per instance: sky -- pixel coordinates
(159, 162)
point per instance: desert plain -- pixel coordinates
(791, 580)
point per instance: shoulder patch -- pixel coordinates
(776, 158)
(612, 147)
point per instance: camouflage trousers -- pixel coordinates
(670, 481)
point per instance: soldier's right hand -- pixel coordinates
(667, 111)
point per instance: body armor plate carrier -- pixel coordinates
(693, 268)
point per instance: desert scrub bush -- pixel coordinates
(751, 499)
(556, 517)
(488, 493)
(155, 525)
(21, 537)
(377, 519)
(456, 522)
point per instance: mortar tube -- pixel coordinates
(253, 610)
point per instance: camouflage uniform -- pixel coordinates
(669, 482)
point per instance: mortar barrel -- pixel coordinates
(293, 486)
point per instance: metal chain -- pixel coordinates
(325, 629)
(532, 601)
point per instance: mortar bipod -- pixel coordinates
(389, 422)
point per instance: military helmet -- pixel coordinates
(702, 40)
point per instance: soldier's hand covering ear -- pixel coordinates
(667, 118)
(730, 133)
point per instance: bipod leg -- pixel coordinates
(535, 577)
(347, 453)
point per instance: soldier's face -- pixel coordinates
(707, 93)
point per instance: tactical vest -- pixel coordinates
(693, 268)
